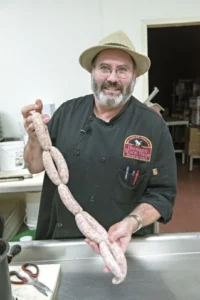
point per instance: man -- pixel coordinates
(119, 152)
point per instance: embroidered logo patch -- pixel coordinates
(137, 147)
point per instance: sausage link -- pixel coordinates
(60, 164)
(86, 229)
(41, 132)
(111, 253)
(97, 227)
(114, 248)
(67, 198)
(50, 168)
(120, 259)
(110, 262)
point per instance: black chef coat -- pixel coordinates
(98, 155)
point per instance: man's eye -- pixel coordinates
(122, 70)
(104, 68)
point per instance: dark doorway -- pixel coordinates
(175, 56)
(175, 71)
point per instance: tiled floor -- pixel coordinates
(186, 216)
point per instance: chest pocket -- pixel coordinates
(126, 189)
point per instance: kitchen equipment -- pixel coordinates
(156, 106)
(49, 275)
(32, 209)
(15, 249)
(152, 95)
(32, 278)
(11, 155)
(5, 285)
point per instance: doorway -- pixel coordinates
(174, 52)
(175, 65)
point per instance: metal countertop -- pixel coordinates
(160, 267)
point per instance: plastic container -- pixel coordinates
(32, 209)
(11, 156)
(26, 238)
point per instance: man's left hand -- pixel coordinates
(120, 233)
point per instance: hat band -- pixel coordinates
(116, 44)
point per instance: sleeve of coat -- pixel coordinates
(161, 188)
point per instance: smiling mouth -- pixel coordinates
(111, 90)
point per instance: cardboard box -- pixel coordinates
(194, 135)
(194, 148)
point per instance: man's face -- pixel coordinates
(113, 78)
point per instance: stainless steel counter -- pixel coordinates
(161, 267)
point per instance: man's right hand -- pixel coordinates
(33, 150)
(28, 119)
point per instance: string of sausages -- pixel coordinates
(57, 170)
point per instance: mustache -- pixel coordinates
(115, 85)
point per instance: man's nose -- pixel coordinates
(113, 76)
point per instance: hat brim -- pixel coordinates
(86, 58)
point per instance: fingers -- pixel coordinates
(93, 245)
(95, 248)
(115, 232)
(28, 122)
(123, 243)
(26, 111)
(121, 234)
(39, 104)
(106, 270)
(27, 115)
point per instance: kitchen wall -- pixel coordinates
(41, 40)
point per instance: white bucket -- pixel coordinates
(11, 156)
(32, 209)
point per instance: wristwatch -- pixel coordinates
(138, 219)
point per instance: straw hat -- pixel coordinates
(116, 40)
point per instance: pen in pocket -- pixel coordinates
(127, 171)
(135, 178)
(132, 174)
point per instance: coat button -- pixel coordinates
(103, 159)
(91, 199)
(76, 152)
(59, 224)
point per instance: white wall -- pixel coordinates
(41, 40)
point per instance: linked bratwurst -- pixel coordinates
(57, 170)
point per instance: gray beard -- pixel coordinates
(111, 101)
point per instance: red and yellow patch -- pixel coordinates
(137, 147)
